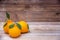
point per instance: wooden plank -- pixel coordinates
(28, 10)
(38, 31)
(30, 1)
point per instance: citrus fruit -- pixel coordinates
(24, 26)
(14, 30)
(6, 26)
(8, 22)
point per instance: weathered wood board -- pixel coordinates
(38, 31)
(31, 10)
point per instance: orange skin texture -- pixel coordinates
(24, 28)
(6, 28)
(14, 32)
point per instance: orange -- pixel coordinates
(14, 30)
(6, 26)
(24, 26)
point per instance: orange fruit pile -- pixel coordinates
(15, 29)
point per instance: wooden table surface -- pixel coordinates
(38, 31)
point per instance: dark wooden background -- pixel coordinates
(31, 10)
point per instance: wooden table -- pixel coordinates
(38, 31)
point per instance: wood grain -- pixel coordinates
(38, 31)
(31, 10)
